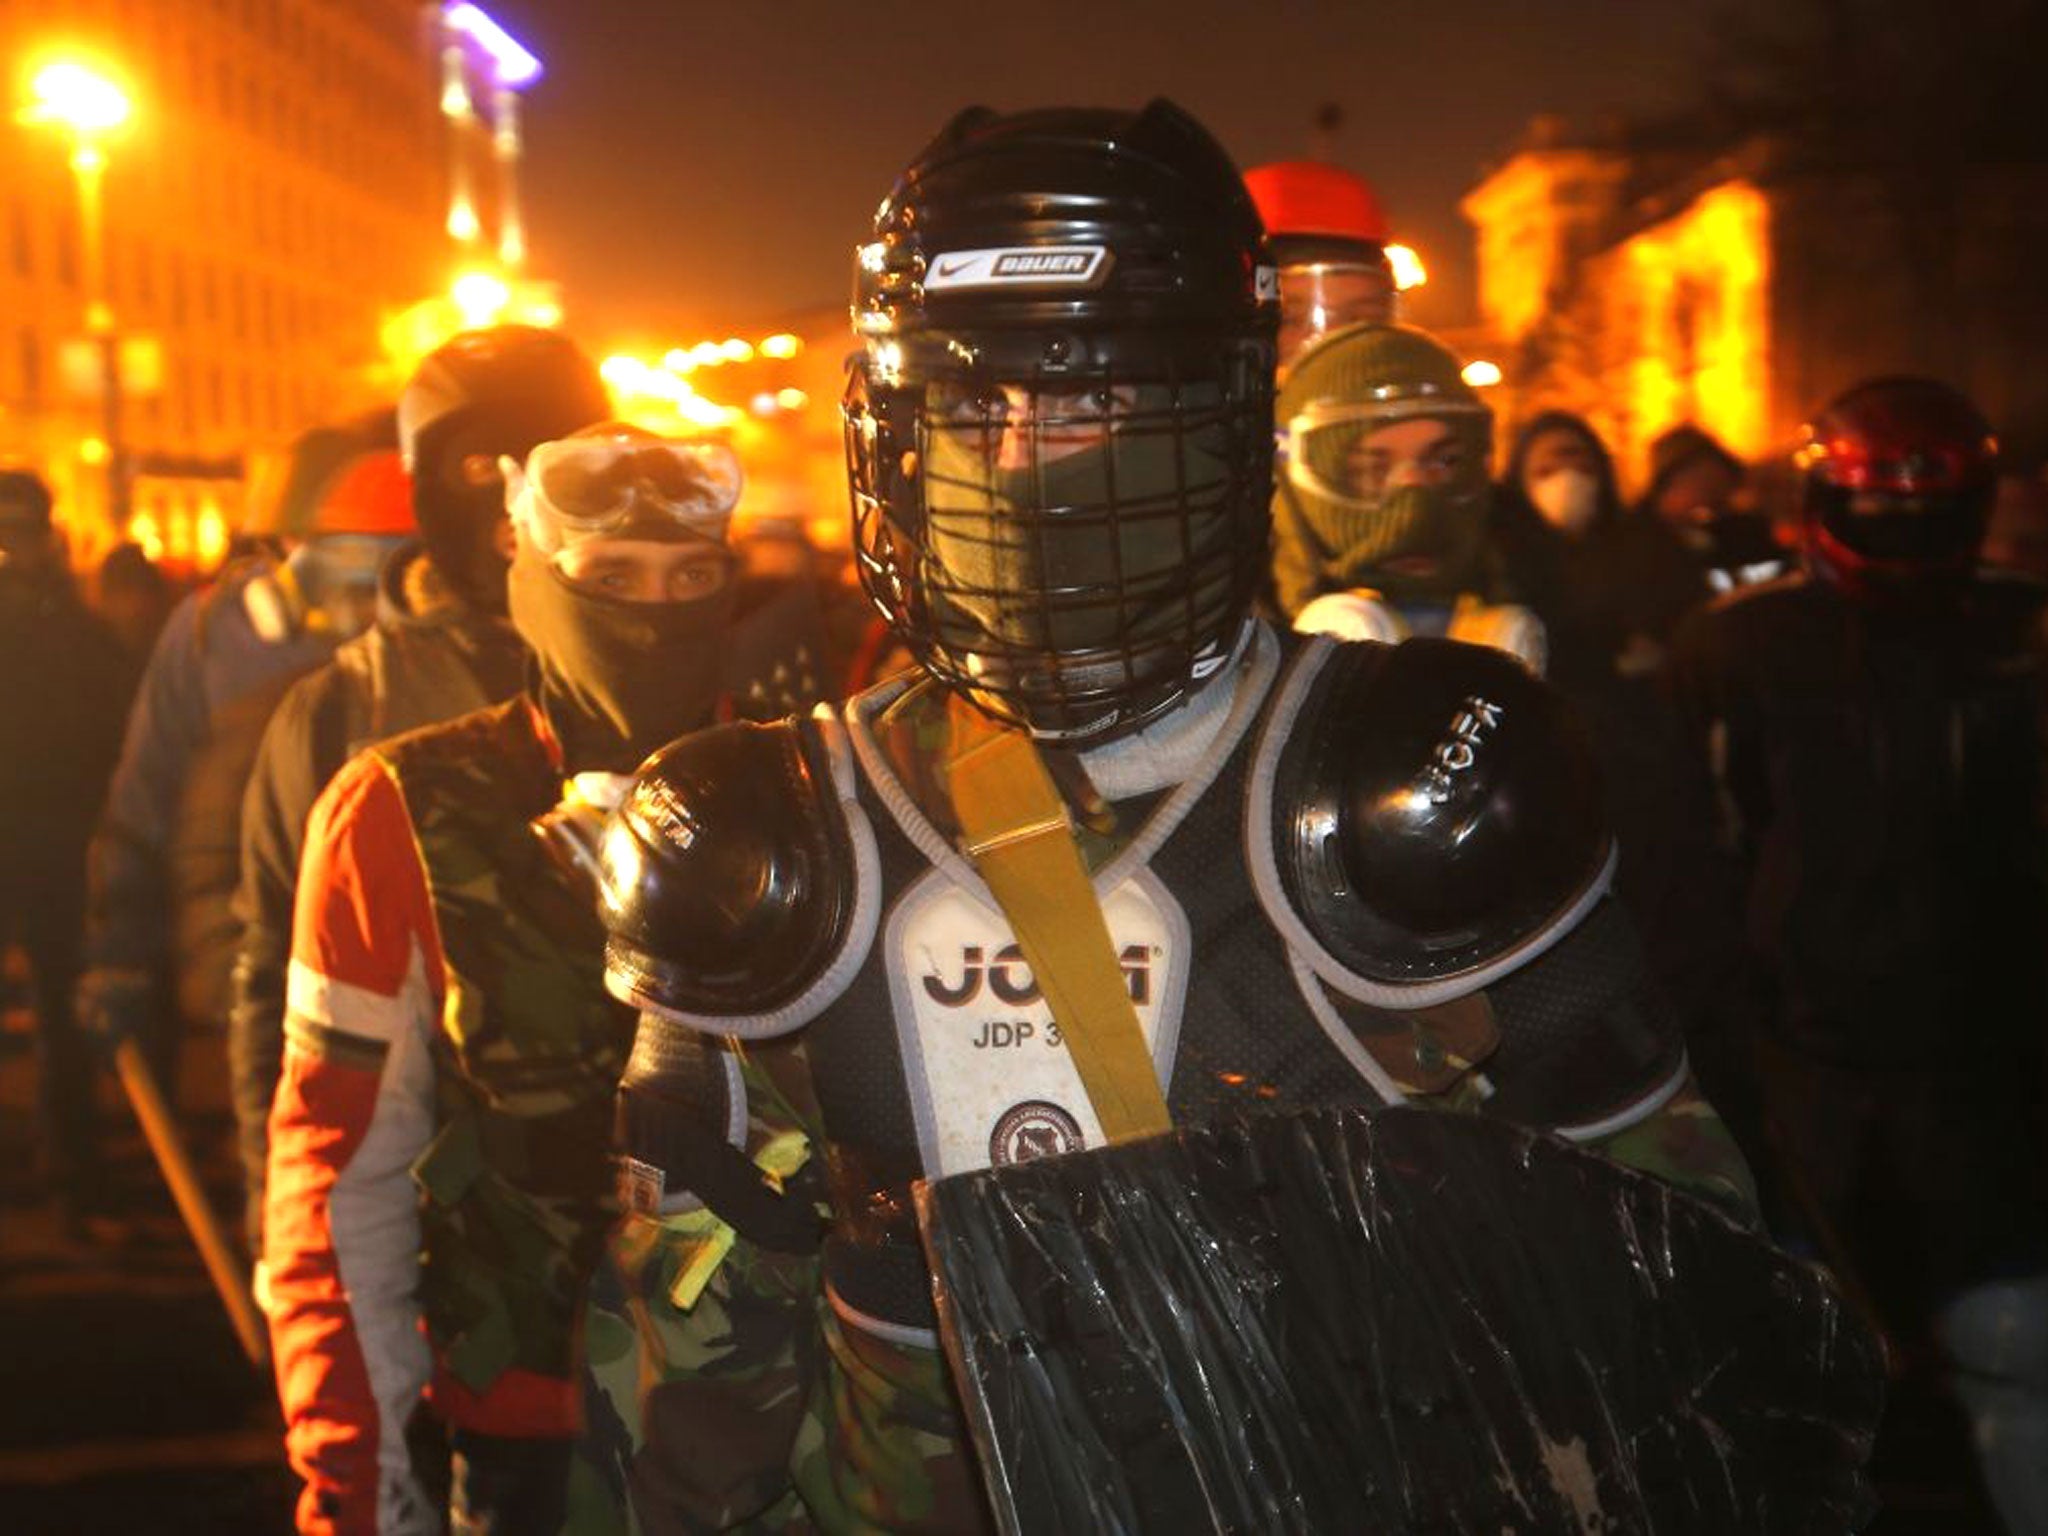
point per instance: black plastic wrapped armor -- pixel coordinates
(1404, 1322)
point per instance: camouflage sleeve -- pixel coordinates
(1685, 1144)
(703, 1350)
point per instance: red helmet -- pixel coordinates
(1328, 233)
(1899, 475)
(1306, 197)
(344, 478)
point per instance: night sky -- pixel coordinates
(697, 166)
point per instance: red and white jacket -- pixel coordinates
(355, 1108)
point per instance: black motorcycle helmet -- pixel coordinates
(479, 396)
(1059, 428)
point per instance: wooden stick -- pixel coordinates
(223, 1264)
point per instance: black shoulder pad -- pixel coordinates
(730, 876)
(1435, 817)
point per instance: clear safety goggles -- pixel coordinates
(577, 488)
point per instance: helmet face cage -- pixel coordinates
(1076, 547)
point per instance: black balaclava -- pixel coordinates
(617, 680)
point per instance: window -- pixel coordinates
(31, 365)
(18, 237)
(67, 248)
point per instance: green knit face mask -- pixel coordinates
(1398, 505)
(1059, 526)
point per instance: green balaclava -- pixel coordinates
(1110, 539)
(1336, 526)
(617, 680)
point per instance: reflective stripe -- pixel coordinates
(349, 1009)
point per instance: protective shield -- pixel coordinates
(1405, 1321)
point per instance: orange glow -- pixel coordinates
(210, 538)
(76, 96)
(658, 399)
(481, 297)
(1694, 293)
(792, 399)
(142, 528)
(1408, 269)
(474, 298)
(1481, 374)
(781, 345)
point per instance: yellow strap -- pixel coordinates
(1020, 839)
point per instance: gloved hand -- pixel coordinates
(1359, 614)
(114, 1003)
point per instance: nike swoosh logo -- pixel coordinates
(957, 267)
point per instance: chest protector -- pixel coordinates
(526, 1052)
(931, 1049)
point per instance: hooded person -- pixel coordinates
(1115, 858)
(1701, 492)
(1381, 506)
(441, 646)
(437, 1177)
(166, 856)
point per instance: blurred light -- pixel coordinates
(762, 404)
(873, 255)
(92, 450)
(515, 66)
(622, 372)
(1407, 267)
(481, 296)
(792, 399)
(676, 360)
(143, 530)
(889, 362)
(1481, 374)
(708, 354)
(737, 351)
(74, 96)
(545, 313)
(781, 344)
(210, 538)
(462, 221)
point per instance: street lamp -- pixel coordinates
(87, 106)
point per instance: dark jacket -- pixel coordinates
(63, 692)
(429, 658)
(151, 855)
(1884, 773)
(1608, 599)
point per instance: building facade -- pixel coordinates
(1647, 285)
(276, 196)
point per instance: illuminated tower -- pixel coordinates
(480, 59)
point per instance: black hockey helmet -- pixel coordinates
(1059, 428)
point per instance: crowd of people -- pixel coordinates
(610, 947)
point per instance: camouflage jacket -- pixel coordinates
(439, 1136)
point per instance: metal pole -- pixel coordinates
(89, 162)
